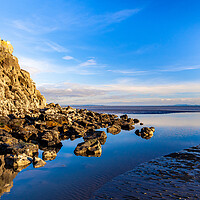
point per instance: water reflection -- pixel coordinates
(7, 175)
(91, 147)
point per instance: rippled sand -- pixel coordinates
(175, 176)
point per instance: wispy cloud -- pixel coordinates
(56, 47)
(68, 58)
(118, 16)
(128, 72)
(90, 62)
(123, 93)
(179, 68)
(37, 66)
(175, 68)
(32, 28)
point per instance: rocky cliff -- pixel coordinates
(18, 92)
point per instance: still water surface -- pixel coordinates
(76, 177)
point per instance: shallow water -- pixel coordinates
(76, 177)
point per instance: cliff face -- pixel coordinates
(18, 92)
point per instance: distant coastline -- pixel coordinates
(141, 109)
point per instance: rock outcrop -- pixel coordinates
(18, 92)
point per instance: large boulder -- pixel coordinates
(114, 129)
(89, 148)
(49, 138)
(38, 162)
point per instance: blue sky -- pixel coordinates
(108, 52)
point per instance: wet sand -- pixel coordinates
(174, 176)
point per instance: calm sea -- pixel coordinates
(75, 177)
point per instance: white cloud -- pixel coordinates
(120, 15)
(35, 66)
(32, 28)
(90, 62)
(111, 18)
(172, 68)
(68, 58)
(180, 68)
(129, 72)
(56, 47)
(121, 93)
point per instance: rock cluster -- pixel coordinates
(146, 132)
(18, 92)
(45, 128)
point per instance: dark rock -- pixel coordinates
(16, 161)
(95, 135)
(38, 162)
(124, 117)
(25, 133)
(49, 138)
(136, 121)
(145, 133)
(88, 148)
(4, 121)
(127, 126)
(114, 129)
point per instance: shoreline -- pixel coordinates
(142, 109)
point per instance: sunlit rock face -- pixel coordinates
(18, 92)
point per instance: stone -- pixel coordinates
(124, 117)
(95, 135)
(127, 126)
(136, 121)
(145, 133)
(114, 129)
(17, 160)
(38, 162)
(49, 138)
(25, 133)
(89, 148)
(4, 121)
(11, 145)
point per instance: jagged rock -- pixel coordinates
(99, 135)
(145, 133)
(127, 126)
(49, 155)
(4, 121)
(25, 133)
(17, 160)
(124, 117)
(11, 145)
(89, 148)
(38, 162)
(18, 92)
(114, 129)
(50, 137)
(136, 121)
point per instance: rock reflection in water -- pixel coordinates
(7, 175)
(20, 143)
